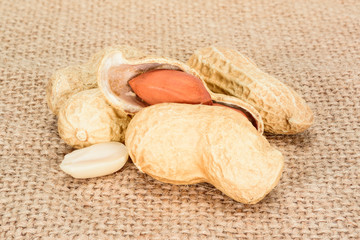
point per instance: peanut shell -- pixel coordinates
(86, 118)
(123, 99)
(229, 72)
(187, 144)
(72, 79)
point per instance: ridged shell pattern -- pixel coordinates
(185, 144)
(86, 118)
(229, 72)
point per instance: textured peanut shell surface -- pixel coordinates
(86, 118)
(186, 144)
(72, 79)
(229, 72)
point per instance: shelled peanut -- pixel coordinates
(95, 161)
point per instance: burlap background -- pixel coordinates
(314, 46)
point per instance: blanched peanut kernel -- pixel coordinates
(97, 160)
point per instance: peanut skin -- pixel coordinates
(161, 86)
(217, 104)
(186, 144)
(171, 86)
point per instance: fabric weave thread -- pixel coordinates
(313, 46)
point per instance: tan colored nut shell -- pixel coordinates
(86, 119)
(186, 144)
(227, 71)
(72, 79)
(116, 58)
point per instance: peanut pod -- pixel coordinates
(132, 84)
(86, 118)
(229, 72)
(187, 144)
(73, 79)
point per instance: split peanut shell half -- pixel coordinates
(116, 73)
(229, 72)
(187, 144)
(73, 79)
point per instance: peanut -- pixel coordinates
(97, 160)
(229, 72)
(161, 86)
(86, 118)
(187, 144)
(73, 79)
(130, 86)
(171, 86)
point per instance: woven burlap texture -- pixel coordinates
(313, 46)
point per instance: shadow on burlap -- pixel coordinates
(313, 46)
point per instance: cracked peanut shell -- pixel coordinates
(115, 71)
(187, 144)
(73, 79)
(229, 72)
